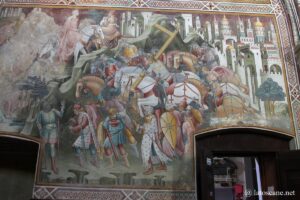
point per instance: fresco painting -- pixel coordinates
(117, 96)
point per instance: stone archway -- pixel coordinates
(237, 142)
(19, 157)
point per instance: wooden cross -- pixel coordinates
(172, 36)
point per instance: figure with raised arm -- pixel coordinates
(47, 123)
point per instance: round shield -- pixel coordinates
(169, 127)
(197, 115)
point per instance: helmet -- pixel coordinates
(112, 112)
(129, 51)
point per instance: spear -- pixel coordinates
(111, 144)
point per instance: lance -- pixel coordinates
(112, 145)
(58, 134)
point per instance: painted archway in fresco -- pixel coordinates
(117, 95)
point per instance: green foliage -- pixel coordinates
(270, 91)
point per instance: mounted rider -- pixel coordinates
(107, 32)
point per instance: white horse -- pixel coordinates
(129, 78)
(100, 39)
(231, 89)
(145, 85)
(184, 92)
(133, 79)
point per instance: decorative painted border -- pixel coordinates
(275, 7)
(44, 192)
(286, 39)
(198, 5)
(139, 3)
(293, 12)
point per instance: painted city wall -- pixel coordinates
(116, 96)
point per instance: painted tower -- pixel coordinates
(146, 16)
(259, 31)
(188, 23)
(198, 24)
(241, 28)
(225, 27)
(216, 28)
(249, 29)
(208, 32)
(273, 34)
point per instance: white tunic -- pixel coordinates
(149, 147)
(87, 135)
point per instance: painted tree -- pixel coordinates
(270, 92)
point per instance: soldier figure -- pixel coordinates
(114, 126)
(47, 120)
(87, 140)
(151, 153)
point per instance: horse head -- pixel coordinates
(92, 84)
(79, 87)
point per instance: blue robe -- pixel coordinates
(116, 131)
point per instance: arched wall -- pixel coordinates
(237, 142)
(19, 161)
(217, 97)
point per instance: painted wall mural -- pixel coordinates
(116, 96)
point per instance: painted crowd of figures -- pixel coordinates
(164, 95)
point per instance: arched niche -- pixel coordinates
(19, 158)
(238, 142)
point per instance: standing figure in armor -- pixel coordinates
(87, 140)
(151, 153)
(114, 126)
(47, 123)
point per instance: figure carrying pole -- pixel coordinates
(46, 121)
(114, 125)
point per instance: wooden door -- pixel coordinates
(234, 142)
(289, 174)
(205, 180)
